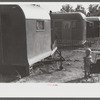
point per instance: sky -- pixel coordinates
(56, 6)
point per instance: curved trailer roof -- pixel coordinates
(19, 39)
(68, 16)
(30, 11)
(36, 12)
(93, 18)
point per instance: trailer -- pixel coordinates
(69, 28)
(25, 37)
(93, 27)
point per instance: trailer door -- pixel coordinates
(58, 31)
(67, 35)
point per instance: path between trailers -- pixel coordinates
(73, 71)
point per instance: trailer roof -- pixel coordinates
(68, 16)
(93, 18)
(34, 12)
(30, 11)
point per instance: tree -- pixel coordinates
(94, 10)
(80, 8)
(67, 8)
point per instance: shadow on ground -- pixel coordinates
(84, 80)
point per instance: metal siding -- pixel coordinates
(1, 48)
(38, 43)
(13, 36)
(36, 12)
(68, 16)
(93, 31)
(53, 36)
(69, 35)
(84, 31)
(93, 18)
(80, 35)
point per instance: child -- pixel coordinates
(87, 62)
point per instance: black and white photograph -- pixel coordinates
(56, 43)
(50, 42)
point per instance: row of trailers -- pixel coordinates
(72, 29)
(28, 35)
(25, 37)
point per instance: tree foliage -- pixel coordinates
(81, 9)
(94, 10)
(67, 8)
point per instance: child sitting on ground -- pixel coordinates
(87, 62)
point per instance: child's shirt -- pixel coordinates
(87, 63)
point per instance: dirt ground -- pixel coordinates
(73, 68)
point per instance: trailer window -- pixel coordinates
(40, 25)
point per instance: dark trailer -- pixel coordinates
(69, 28)
(93, 27)
(25, 36)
